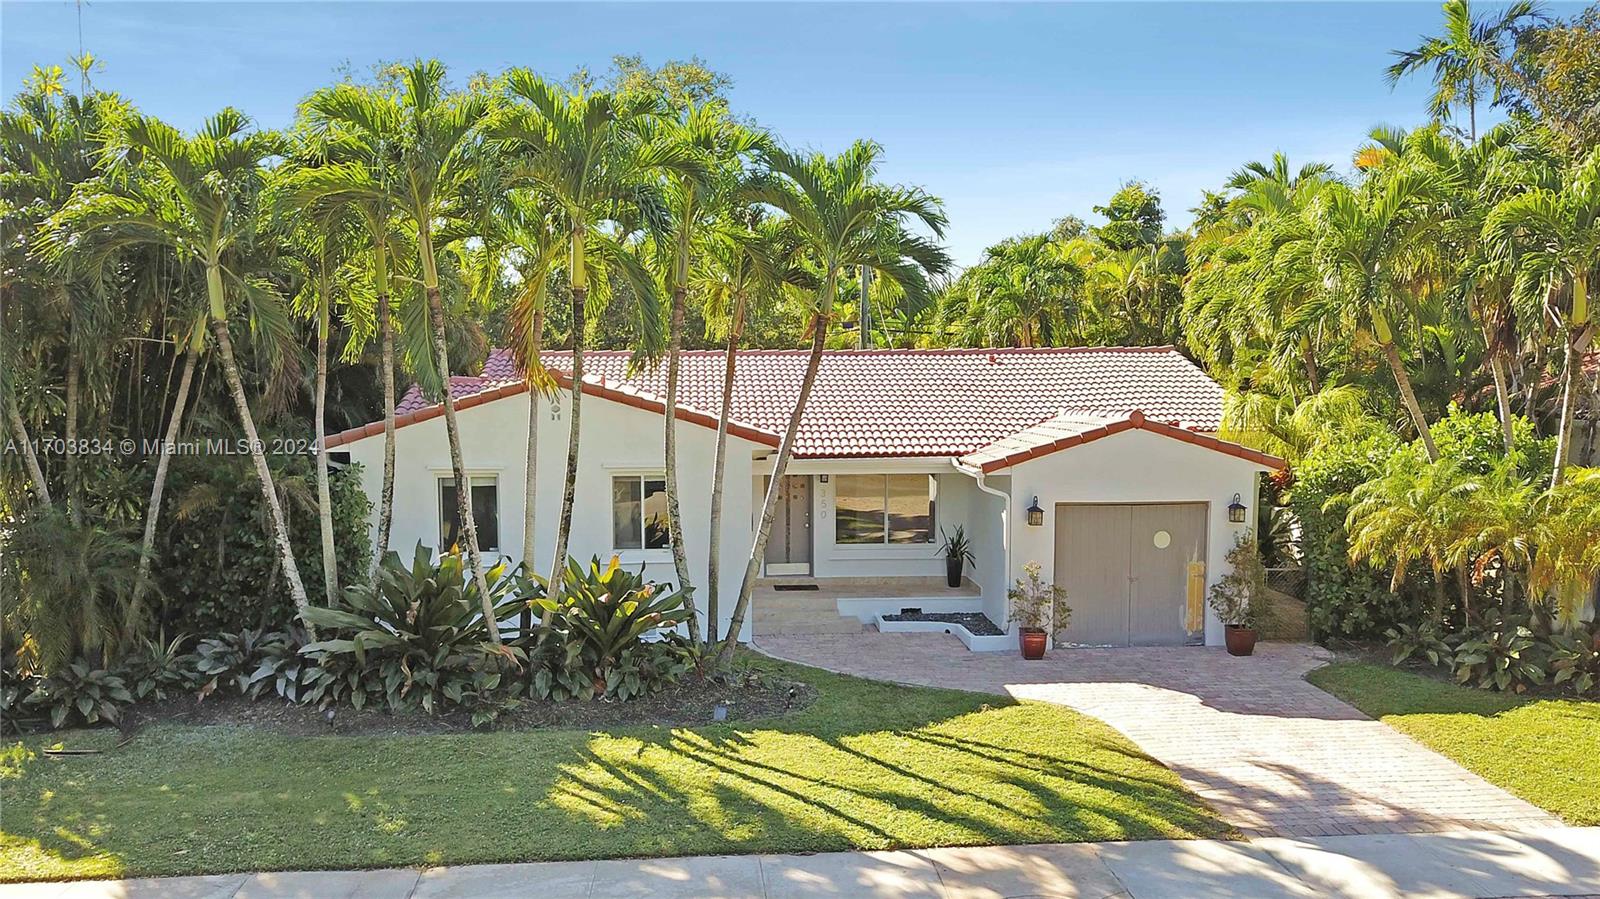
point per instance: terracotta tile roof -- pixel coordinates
(881, 403)
(480, 392)
(1077, 427)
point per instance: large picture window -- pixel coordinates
(485, 513)
(638, 512)
(883, 509)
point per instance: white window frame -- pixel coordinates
(885, 544)
(640, 552)
(474, 479)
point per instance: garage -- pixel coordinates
(1126, 569)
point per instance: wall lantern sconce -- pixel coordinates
(1236, 510)
(1035, 514)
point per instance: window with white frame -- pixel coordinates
(885, 509)
(485, 512)
(638, 512)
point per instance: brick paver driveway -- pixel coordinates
(1273, 754)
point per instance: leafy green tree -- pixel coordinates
(1466, 59)
(588, 153)
(198, 197)
(1554, 236)
(842, 217)
(1133, 217)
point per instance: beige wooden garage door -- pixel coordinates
(1125, 568)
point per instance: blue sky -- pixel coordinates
(1013, 114)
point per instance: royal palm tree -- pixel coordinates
(1554, 237)
(588, 154)
(360, 132)
(709, 148)
(198, 196)
(1364, 242)
(740, 267)
(842, 218)
(436, 159)
(1466, 60)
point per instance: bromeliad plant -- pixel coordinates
(607, 615)
(418, 633)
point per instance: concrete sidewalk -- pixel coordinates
(1562, 861)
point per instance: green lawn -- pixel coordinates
(1545, 750)
(868, 765)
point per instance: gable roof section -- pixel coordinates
(1075, 428)
(592, 386)
(897, 403)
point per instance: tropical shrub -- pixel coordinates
(160, 667)
(216, 568)
(1420, 641)
(81, 693)
(1036, 603)
(417, 633)
(68, 587)
(249, 661)
(1503, 656)
(606, 613)
(1575, 660)
(1343, 599)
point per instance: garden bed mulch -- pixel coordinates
(977, 623)
(690, 703)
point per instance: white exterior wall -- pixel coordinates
(1133, 466)
(957, 503)
(617, 439)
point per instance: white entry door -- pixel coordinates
(789, 544)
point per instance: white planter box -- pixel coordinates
(973, 642)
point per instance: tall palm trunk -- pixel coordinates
(1502, 394)
(718, 466)
(153, 512)
(530, 481)
(1578, 334)
(441, 352)
(680, 559)
(30, 460)
(569, 485)
(330, 562)
(1308, 358)
(386, 337)
(70, 430)
(769, 506)
(1391, 354)
(269, 492)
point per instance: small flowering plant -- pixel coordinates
(1037, 604)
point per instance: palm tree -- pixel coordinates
(435, 161)
(1554, 237)
(1466, 60)
(320, 248)
(1414, 510)
(359, 131)
(709, 147)
(842, 218)
(740, 266)
(198, 197)
(1026, 292)
(1363, 242)
(587, 153)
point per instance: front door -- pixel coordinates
(789, 544)
(1126, 570)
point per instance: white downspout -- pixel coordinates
(1005, 522)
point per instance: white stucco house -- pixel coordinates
(1113, 450)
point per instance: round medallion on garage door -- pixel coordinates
(1162, 539)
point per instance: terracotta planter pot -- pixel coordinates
(1241, 641)
(1033, 643)
(952, 571)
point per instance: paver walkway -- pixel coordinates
(1273, 754)
(1559, 862)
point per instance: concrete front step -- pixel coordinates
(835, 625)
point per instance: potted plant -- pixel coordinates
(1039, 609)
(1240, 597)
(957, 554)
